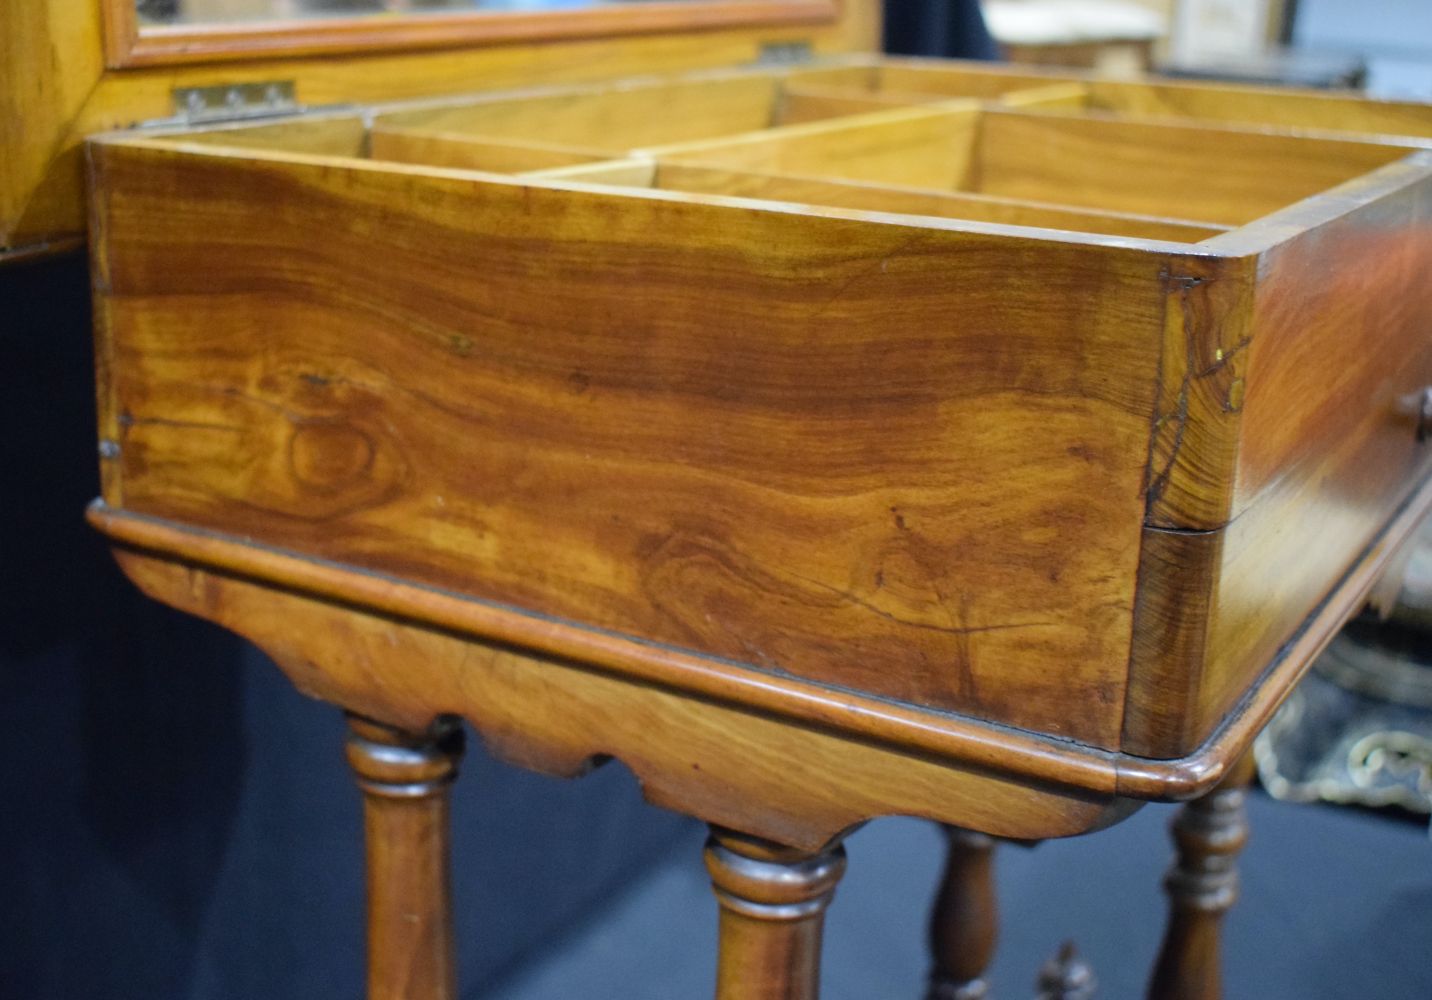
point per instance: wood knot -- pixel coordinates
(327, 456)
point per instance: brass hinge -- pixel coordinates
(232, 102)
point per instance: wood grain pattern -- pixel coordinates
(164, 558)
(760, 498)
(319, 134)
(60, 93)
(588, 122)
(447, 149)
(37, 103)
(637, 171)
(40, 194)
(800, 785)
(1319, 451)
(1318, 111)
(1209, 834)
(808, 104)
(1279, 108)
(911, 79)
(834, 417)
(1191, 172)
(1178, 587)
(964, 923)
(926, 147)
(612, 117)
(920, 732)
(1211, 175)
(405, 777)
(773, 901)
(915, 201)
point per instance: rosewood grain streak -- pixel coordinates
(889, 457)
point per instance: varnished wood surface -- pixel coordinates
(964, 923)
(56, 92)
(931, 146)
(184, 568)
(405, 777)
(822, 487)
(1268, 683)
(800, 103)
(37, 102)
(1278, 108)
(36, 251)
(613, 117)
(129, 44)
(906, 79)
(447, 149)
(1091, 388)
(1319, 111)
(60, 92)
(721, 502)
(1316, 391)
(915, 201)
(773, 901)
(1219, 176)
(715, 470)
(721, 759)
(1193, 172)
(1209, 834)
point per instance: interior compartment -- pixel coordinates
(1234, 105)
(353, 136)
(608, 120)
(697, 179)
(915, 83)
(515, 133)
(750, 136)
(1203, 174)
(911, 82)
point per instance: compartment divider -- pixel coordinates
(1202, 171)
(800, 104)
(638, 172)
(883, 137)
(474, 152)
(696, 178)
(931, 146)
(1071, 96)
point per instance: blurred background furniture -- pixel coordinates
(1115, 37)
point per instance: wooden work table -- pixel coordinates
(824, 442)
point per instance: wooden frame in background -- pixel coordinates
(129, 44)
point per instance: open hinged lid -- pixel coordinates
(71, 68)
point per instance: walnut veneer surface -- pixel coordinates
(820, 445)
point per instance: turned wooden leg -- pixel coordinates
(964, 922)
(773, 902)
(1202, 886)
(405, 777)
